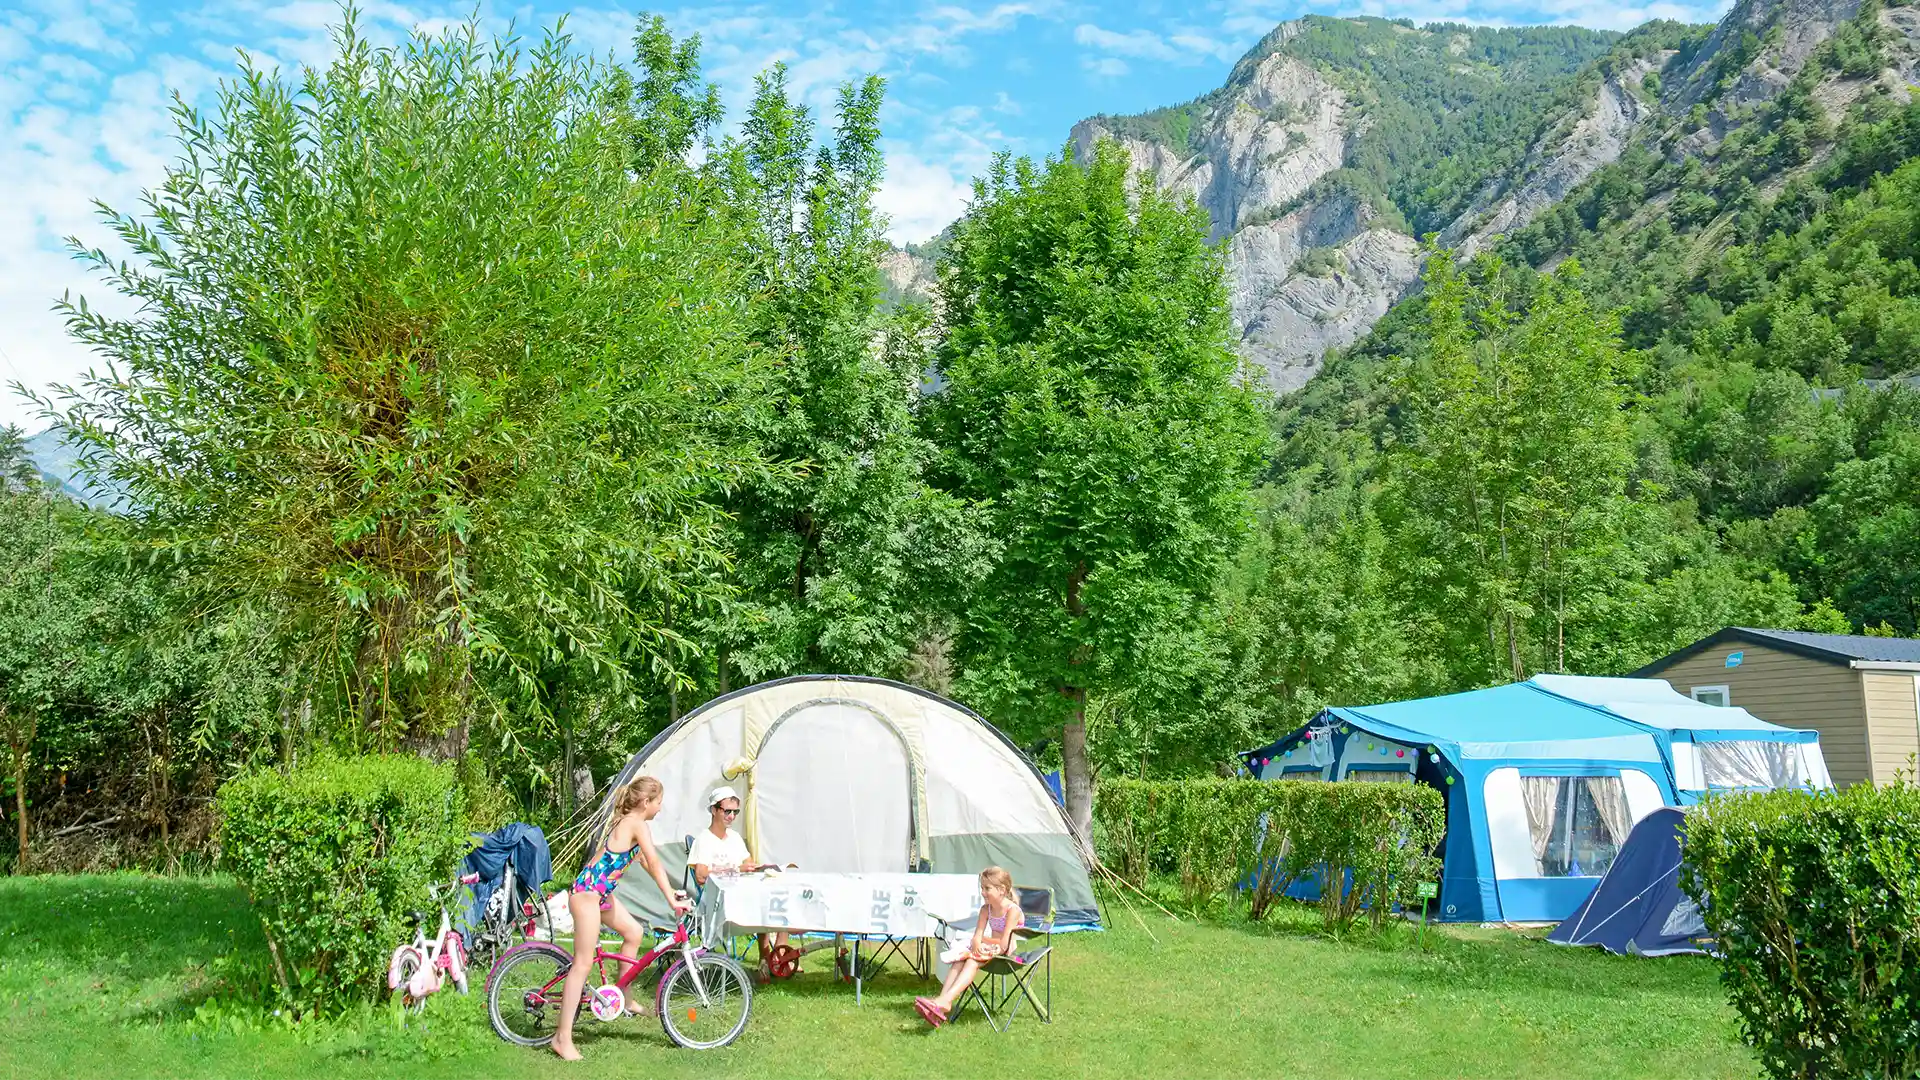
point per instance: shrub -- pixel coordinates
(333, 855)
(1816, 902)
(1376, 838)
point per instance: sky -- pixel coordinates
(85, 87)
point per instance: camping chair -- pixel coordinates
(1005, 981)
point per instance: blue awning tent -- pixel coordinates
(1639, 907)
(1544, 779)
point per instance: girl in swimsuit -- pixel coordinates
(629, 838)
(1000, 916)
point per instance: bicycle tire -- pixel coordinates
(521, 1006)
(713, 996)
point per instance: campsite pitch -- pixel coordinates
(106, 972)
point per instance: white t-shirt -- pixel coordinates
(717, 853)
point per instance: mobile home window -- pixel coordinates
(1713, 695)
(1577, 823)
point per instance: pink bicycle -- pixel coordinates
(419, 969)
(703, 999)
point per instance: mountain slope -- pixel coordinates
(1335, 142)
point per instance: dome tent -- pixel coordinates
(851, 774)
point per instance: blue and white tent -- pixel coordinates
(1708, 748)
(1544, 779)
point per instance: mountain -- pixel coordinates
(1336, 143)
(59, 463)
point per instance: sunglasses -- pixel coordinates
(729, 813)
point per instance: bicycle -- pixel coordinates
(505, 920)
(703, 999)
(418, 970)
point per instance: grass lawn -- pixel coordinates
(100, 975)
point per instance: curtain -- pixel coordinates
(1747, 763)
(1610, 800)
(1542, 796)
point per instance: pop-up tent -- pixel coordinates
(1708, 748)
(847, 774)
(1639, 906)
(1541, 789)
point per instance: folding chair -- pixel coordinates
(1007, 980)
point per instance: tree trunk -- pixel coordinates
(21, 744)
(726, 680)
(1075, 771)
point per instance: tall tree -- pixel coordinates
(424, 373)
(1094, 403)
(1509, 489)
(842, 565)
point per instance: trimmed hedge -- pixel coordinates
(1379, 838)
(333, 855)
(1816, 902)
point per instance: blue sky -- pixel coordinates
(83, 93)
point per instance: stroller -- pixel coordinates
(506, 907)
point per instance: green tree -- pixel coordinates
(840, 565)
(431, 383)
(1508, 492)
(1094, 403)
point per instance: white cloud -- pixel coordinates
(1004, 104)
(1106, 67)
(919, 197)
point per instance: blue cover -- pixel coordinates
(1639, 906)
(1052, 780)
(526, 845)
(1456, 741)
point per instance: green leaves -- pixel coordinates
(1265, 836)
(432, 383)
(333, 855)
(1815, 901)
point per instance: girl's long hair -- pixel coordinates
(642, 791)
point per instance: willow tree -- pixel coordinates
(1095, 404)
(426, 376)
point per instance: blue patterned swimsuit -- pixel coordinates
(604, 872)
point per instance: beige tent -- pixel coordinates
(849, 774)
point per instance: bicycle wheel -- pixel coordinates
(523, 992)
(704, 1002)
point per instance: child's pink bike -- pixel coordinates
(703, 1000)
(419, 969)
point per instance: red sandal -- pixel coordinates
(930, 1012)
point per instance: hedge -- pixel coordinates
(1379, 838)
(333, 855)
(1815, 900)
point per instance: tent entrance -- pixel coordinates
(833, 790)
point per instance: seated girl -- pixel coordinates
(993, 932)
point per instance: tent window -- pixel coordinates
(1750, 763)
(1380, 776)
(1299, 773)
(1577, 823)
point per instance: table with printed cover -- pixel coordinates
(887, 910)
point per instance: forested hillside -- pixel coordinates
(1747, 450)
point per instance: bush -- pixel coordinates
(1378, 838)
(1816, 902)
(333, 855)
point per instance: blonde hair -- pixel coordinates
(997, 878)
(639, 793)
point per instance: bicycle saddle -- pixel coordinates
(416, 918)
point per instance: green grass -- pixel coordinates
(100, 975)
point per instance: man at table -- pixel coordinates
(718, 849)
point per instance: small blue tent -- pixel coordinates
(1541, 789)
(1639, 906)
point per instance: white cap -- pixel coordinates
(721, 794)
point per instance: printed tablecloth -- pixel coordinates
(881, 905)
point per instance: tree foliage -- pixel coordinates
(1093, 403)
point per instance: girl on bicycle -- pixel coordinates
(993, 931)
(629, 837)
